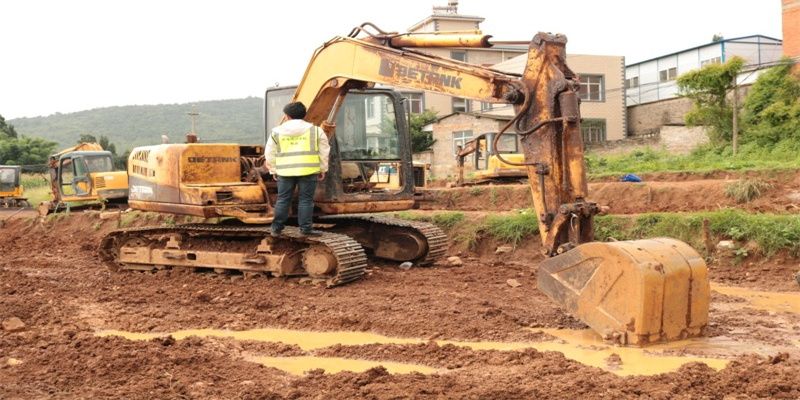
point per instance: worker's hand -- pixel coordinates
(274, 177)
(321, 176)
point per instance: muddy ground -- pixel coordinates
(51, 280)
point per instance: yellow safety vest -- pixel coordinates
(297, 154)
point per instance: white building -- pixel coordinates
(655, 79)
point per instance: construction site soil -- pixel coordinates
(65, 300)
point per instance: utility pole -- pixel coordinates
(735, 115)
(191, 137)
(193, 114)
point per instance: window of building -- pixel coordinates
(459, 55)
(593, 130)
(415, 102)
(666, 75)
(460, 138)
(592, 88)
(632, 82)
(370, 107)
(460, 104)
(715, 60)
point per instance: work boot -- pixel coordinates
(274, 234)
(311, 233)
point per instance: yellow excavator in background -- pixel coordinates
(83, 176)
(633, 292)
(11, 191)
(493, 170)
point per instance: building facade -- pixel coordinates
(446, 18)
(603, 112)
(602, 94)
(655, 79)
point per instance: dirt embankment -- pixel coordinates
(630, 198)
(51, 280)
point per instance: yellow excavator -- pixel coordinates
(492, 170)
(632, 292)
(83, 176)
(11, 191)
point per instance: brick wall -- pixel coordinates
(647, 119)
(791, 28)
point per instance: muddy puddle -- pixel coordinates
(583, 346)
(768, 301)
(332, 365)
(579, 345)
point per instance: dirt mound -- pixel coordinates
(626, 197)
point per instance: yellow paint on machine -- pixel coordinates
(580, 345)
(332, 365)
(769, 301)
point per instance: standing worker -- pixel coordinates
(297, 154)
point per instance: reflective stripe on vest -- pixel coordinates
(297, 154)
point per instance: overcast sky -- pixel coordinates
(65, 56)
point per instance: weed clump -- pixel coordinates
(746, 190)
(512, 228)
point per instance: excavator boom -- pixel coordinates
(633, 292)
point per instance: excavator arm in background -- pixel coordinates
(634, 292)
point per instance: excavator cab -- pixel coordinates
(488, 168)
(10, 188)
(83, 176)
(370, 162)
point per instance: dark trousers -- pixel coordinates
(306, 186)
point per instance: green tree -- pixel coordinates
(7, 130)
(104, 142)
(708, 87)
(25, 151)
(421, 140)
(771, 111)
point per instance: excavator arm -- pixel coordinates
(544, 98)
(634, 292)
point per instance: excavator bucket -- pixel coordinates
(632, 292)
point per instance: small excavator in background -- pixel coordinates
(11, 190)
(83, 176)
(631, 292)
(493, 170)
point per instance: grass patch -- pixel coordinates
(512, 228)
(476, 191)
(448, 220)
(704, 159)
(746, 190)
(766, 234)
(126, 219)
(770, 232)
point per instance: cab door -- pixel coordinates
(74, 182)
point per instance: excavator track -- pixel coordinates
(435, 240)
(341, 252)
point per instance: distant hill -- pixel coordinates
(237, 120)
